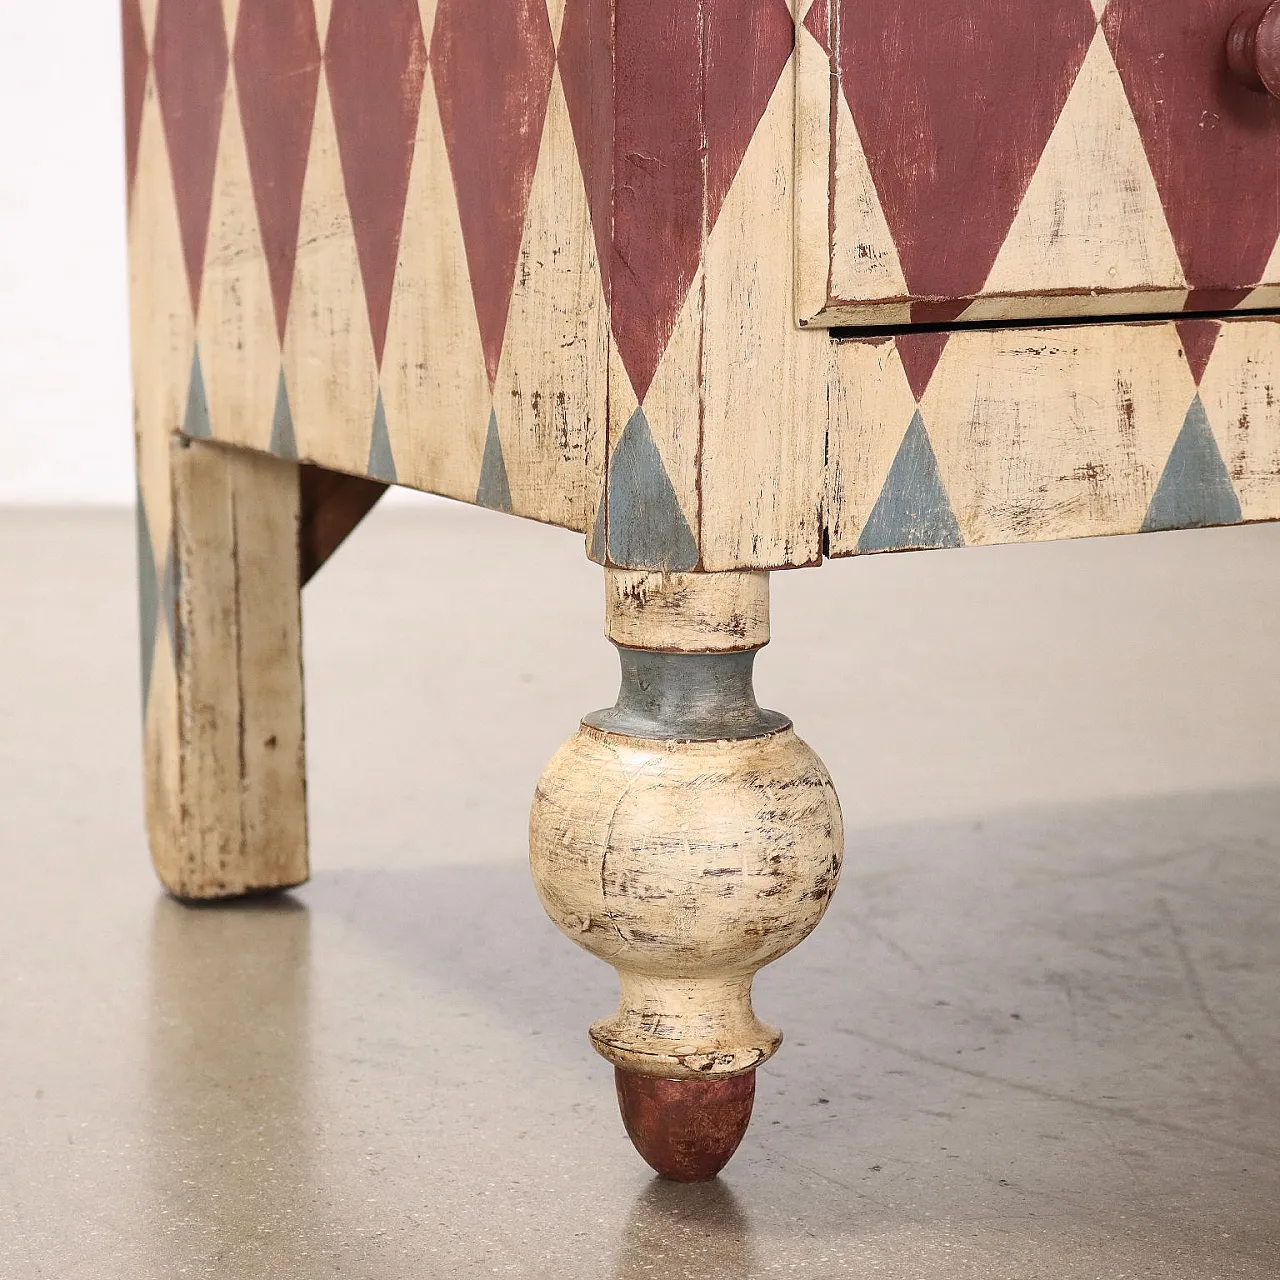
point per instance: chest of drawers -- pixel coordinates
(727, 288)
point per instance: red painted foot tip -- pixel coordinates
(685, 1129)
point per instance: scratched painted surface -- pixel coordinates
(223, 717)
(998, 159)
(687, 866)
(980, 88)
(1213, 146)
(687, 612)
(1075, 431)
(686, 836)
(544, 263)
(687, 697)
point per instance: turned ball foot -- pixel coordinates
(687, 837)
(686, 1130)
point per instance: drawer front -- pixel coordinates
(998, 435)
(1005, 159)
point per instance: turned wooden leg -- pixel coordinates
(688, 837)
(219, 582)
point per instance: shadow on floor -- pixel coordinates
(1056, 1021)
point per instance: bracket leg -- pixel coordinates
(222, 671)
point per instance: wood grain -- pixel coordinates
(687, 612)
(226, 785)
(1240, 390)
(550, 393)
(434, 382)
(329, 361)
(687, 866)
(813, 106)
(764, 381)
(236, 328)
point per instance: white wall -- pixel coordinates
(65, 433)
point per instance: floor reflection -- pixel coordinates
(689, 1230)
(231, 1129)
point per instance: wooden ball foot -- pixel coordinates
(685, 1129)
(688, 837)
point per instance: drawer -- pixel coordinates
(1011, 159)
(1039, 432)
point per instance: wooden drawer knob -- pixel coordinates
(1253, 49)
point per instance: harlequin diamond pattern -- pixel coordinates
(954, 109)
(955, 102)
(1213, 146)
(658, 139)
(946, 449)
(375, 60)
(682, 105)
(492, 81)
(277, 67)
(965, 121)
(190, 56)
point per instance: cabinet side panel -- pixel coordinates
(388, 239)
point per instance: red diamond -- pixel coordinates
(954, 102)
(375, 60)
(492, 73)
(748, 42)
(660, 137)
(1214, 146)
(586, 72)
(277, 63)
(818, 23)
(920, 353)
(191, 79)
(1198, 338)
(134, 39)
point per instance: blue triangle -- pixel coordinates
(382, 464)
(283, 442)
(148, 600)
(196, 422)
(598, 546)
(646, 527)
(912, 511)
(1195, 490)
(493, 490)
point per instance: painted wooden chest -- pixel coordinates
(726, 286)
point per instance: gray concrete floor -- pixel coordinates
(1038, 1035)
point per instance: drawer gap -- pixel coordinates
(854, 333)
